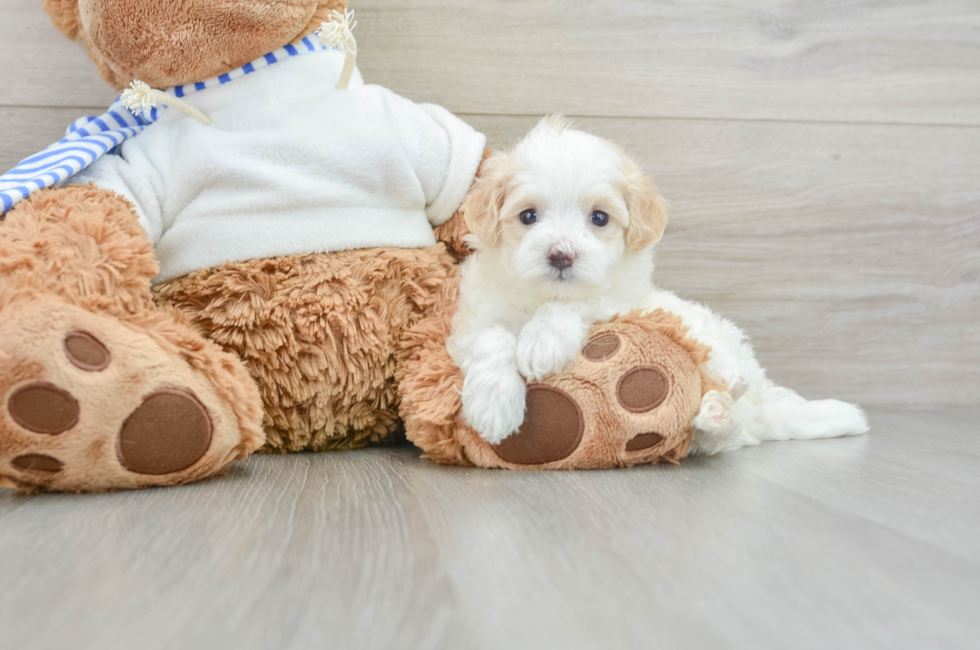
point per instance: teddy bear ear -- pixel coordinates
(65, 15)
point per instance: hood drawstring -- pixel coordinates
(139, 98)
(339, 33)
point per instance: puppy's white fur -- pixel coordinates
(520, 316)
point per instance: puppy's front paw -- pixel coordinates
(543, 349)
(718, 415)
(493, 403)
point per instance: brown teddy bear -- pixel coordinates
(231, 264)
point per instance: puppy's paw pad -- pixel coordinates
(552, 429)
(642, 389)
(43, 408)
(170, 431)
(718, 413)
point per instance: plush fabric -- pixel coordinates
(628, 399)
(75, 263)
(92, 137)
(318, 333)
(185, 41)
(107, 384)
(291, 165)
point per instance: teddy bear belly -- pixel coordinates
(193, 244)
(318, 333)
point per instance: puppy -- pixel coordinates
(563, 229)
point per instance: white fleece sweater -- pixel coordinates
(290, 165)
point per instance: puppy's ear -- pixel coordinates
(481, 209)
(648, 214)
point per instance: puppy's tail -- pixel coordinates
(779, 413)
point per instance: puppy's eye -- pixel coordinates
(599, 218)
(528, 217)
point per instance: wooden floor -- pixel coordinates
(870, 542)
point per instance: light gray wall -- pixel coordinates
(822, 160)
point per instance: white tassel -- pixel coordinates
(139, 98)
(339, 33)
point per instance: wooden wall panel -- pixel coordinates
(866, 60)
(850, 253)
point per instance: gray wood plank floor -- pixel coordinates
(863, 542)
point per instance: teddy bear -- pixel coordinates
(197, 291)
(230, 259)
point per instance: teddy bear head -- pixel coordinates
(172, 42)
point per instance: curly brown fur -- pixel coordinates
(318, 333)
(82, 244)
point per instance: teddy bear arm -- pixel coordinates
(443, 151)
(136, 178)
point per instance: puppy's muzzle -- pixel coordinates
(559, 259)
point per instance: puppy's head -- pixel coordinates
(564, 208)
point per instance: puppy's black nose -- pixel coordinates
(560, 260)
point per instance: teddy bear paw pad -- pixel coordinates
(644, 441)
(88, 403)
(642, 389)
(170, 431)
(602, 348)
(43, 408)
(552, 429)
(38, 463)
(86, 352)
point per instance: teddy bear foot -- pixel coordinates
(615, 406)
(629, 398)
(90, 403)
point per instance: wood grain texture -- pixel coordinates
(27, 130)
(850, 253)
(838, 543)
(857, 61)
(863, 61)
(40, 67)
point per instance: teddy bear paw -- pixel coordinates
(91, 404)
(628, 398)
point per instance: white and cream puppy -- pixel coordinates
(563, 229)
